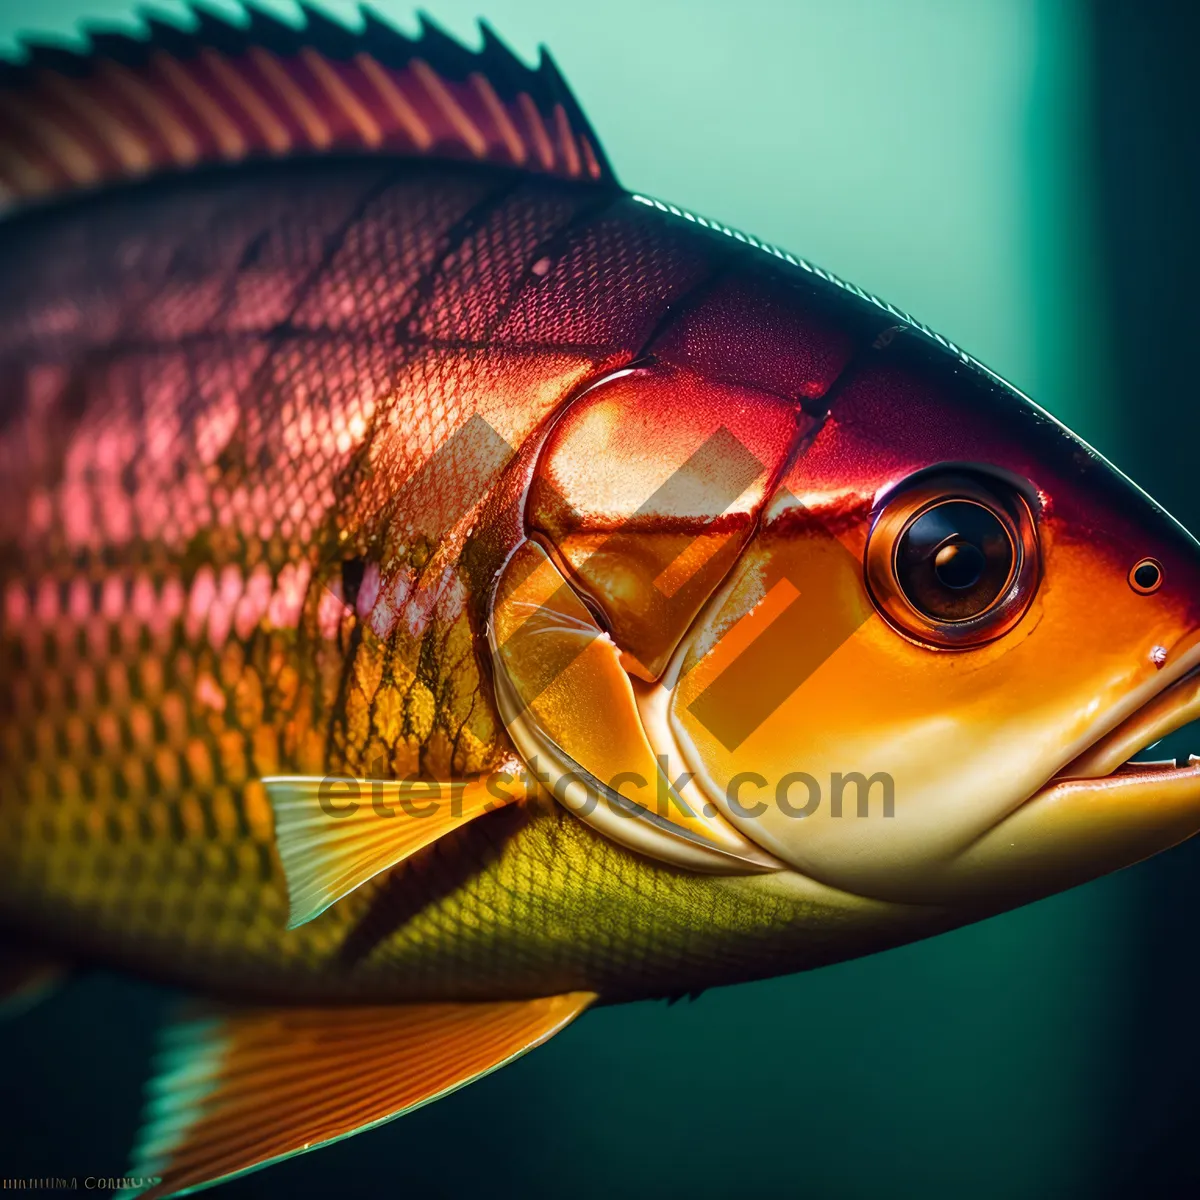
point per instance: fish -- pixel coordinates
(444, 591)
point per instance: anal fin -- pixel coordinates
(240, 1089)
(335, 834)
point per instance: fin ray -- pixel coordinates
(239, 1089)
(233, 92)
(332, 841)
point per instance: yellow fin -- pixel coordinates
(334, 834)
(239, 1089)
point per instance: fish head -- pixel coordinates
(900, 629)
(953, 624)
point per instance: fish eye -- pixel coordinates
(952, 560)
(1146, 576)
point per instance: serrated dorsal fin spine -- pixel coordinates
(129, 107)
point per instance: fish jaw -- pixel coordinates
(1100, 813)
(1074, 830)
(1166, 711)
(1094, 813)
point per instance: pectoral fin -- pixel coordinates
(334, 834)
(238, 1090)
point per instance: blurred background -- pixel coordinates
(1021, 175)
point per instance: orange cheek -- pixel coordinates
(1093, 624)
(964, 736)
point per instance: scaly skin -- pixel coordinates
(214, 392)
(269, 434)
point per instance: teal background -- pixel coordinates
(943, 154)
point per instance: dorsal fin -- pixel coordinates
(228, 92)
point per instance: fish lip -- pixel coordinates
(1170, 707)
(1097, 813)
(1166, 772)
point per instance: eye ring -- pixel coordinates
(1146, 576)
(990, 607)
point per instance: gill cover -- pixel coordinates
(645, 493)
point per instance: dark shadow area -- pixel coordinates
(1148, 201)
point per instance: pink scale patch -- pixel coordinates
(215, 426)
(78, 525)
(142, 602)
(330, 611)
(209, 694)
(391, 600)
(116, 514)
(220, 613)
(46, 605)
(112, 598)
(368, 590)
(79, 601)
(40, 513)
(16, 605)
(171, 602)
(255, 601)
(204, 592)
(288, 601)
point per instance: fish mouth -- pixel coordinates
(1109, 757)
(1099, 813)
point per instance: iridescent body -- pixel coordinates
(216, 391)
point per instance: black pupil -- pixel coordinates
(959, 564)
(954, 560)
(1146, 575)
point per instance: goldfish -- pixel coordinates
(444, 591)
